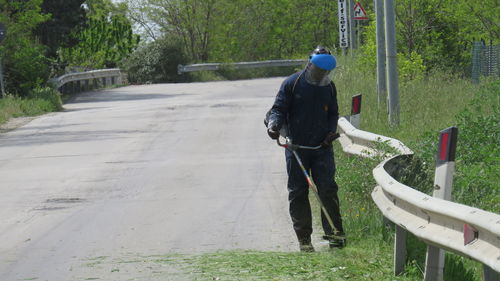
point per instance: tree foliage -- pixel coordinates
(235, 30)
(65, 17)
(436, 33)
(441, 30)
(107, 39)
(24, 62)
(156, 62)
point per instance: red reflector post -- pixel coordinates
(443, 147)
(470, 234)
(356, 105)
(447, 145)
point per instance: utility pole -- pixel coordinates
(381, 83)
(3, 33)
(2, 87)
(391, 59)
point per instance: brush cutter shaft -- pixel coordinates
(289, 145)
(293, 148)
(313, 187)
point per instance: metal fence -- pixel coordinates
(485, 60)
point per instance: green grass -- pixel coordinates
(429, 104)
(364, 260)
(40, 101)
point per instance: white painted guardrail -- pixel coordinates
(238, 65)
(78, 81)
(442, 224)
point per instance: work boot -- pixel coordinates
(336, 241)
(306, 245)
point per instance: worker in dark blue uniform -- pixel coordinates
(307, 105)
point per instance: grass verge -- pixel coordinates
(40, 101)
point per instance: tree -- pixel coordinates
(235, 30)
(25, 66)
(107, 39)
(156, 62)
(441, 30)
(137, 11)
(191, 20)
(66, 16)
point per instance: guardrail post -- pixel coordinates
(355, 118)
(489, 274)
(399, 250)
(443, 181)
(119, 79)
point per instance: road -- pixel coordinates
(141, 171)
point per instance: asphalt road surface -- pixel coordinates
(141, 171)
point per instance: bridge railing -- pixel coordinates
(238, 65)
(83, 81)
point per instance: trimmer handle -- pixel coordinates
(289, 145)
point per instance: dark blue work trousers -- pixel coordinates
(321, 165)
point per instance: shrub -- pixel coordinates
(476, 177)
(156, 62)
(49, 98)
(410, 66)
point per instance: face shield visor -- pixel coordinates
(319, 68)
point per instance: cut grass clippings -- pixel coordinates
(364, 260)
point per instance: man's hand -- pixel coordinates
(273, 133)
(330, 137)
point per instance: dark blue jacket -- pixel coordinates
(311, 112)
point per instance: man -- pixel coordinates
(307, 105)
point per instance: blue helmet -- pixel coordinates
(324, 61)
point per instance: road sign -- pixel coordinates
(344, 40)
(359, 12)
(3, 31)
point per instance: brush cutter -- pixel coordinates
(340, 239)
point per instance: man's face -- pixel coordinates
(318, 74)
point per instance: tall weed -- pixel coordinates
(38, 101)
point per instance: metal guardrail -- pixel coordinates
(355, 141)
(238, 65)
(436, 221)
(83, 81)
(447, 225)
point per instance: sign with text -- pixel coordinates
(359, 12)
(344, 40)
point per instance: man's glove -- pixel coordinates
(273, 133)
(330, 137)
